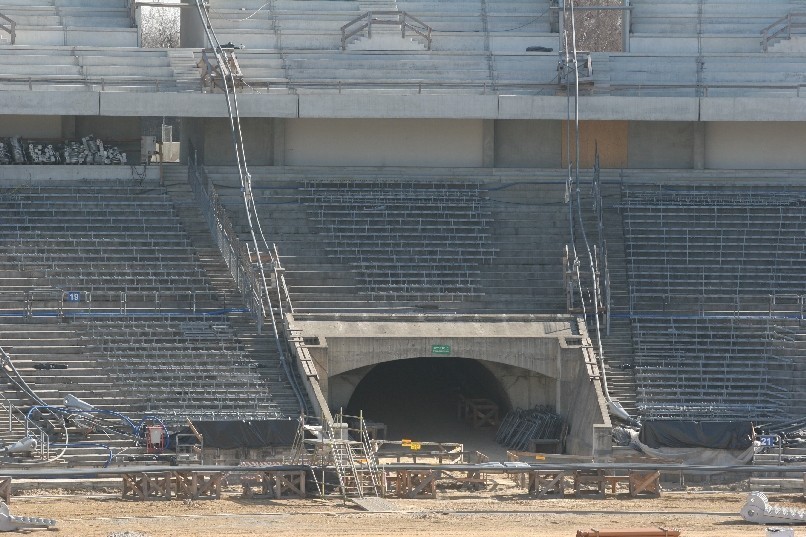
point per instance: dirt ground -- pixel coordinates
(501, 510)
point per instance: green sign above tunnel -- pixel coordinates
(440, 349)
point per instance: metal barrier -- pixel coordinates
(389, 18)
(10, 28)
(56, 302)
(233, 250)
(782, 29)
(15, 413)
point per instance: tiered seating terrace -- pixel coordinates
(716, 26)
(71, 22)
(482, 256)
(191, 366)
(717, 276)
(510, 25)
(144, 330)
(406, 241)
(44, 68)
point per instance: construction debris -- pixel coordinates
(10, 522)
(520, 429)
(758, 510)
(631, 532)
(89, 150)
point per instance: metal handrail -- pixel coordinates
(401, 20)
(233, 250)
(13, 375)
(101, 302)
(783, 25)
(16, 415)
(767, 35)
(11, 28)
(697, 305)
(279, 272)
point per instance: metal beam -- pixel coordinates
(488, 468)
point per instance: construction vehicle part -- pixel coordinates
(9, 522)
(758, 510)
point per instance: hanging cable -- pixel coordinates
(246, 189)
(572, 192)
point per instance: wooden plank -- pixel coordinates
(185, 484)
(159, 485)
(413, 484)
(289, 484)
(425, 484)
(614, 480)
(208, 485)
(589, 483)
(544, 484)
(646, 483)
(135, 487)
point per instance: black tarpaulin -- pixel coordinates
(707, 434)
(246, 434)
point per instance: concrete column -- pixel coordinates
(602, 442)
(488, 143)
(193, 129)
(138, 21)
(698, 151)
(192, 30)
(278, 126)
(625, 28)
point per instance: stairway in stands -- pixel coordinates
(142, 298)
(260, 347)
(617, 343)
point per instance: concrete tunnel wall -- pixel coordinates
(532, 370)
(522, 388)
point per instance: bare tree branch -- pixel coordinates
(598, 31)
(160, 27)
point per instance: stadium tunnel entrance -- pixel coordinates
(419, 398)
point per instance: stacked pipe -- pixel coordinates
(520, 426)
(89, 150)
(5, 153)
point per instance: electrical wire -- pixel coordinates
(574, 192)
(245, 18)
(246, 188)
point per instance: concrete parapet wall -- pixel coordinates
(24, 175)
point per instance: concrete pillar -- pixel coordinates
(278, 130)
(488, 143)
(698, 151)
(138, 21)
(602, 442)
(193, 129)
(192, 30)
(625, 28)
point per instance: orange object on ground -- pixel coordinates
(630, 532)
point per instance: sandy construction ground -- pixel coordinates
(502, 511)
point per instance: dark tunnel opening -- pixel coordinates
(418, 399)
